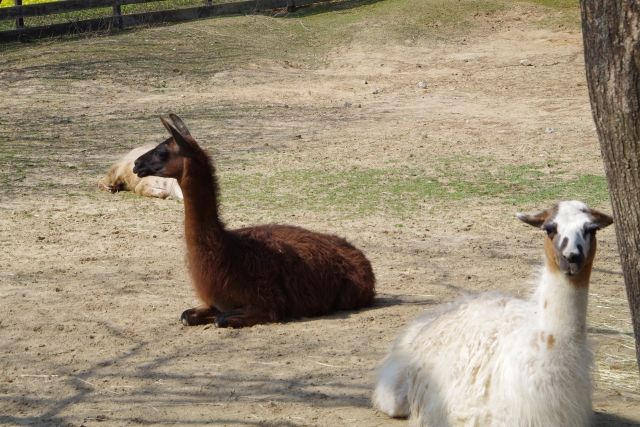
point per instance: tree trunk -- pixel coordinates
(611, 34)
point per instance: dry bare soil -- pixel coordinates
(313, 119)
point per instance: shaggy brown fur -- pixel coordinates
(257, 274)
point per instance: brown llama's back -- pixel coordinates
(285, 271)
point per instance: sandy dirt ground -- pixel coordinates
(92, 284)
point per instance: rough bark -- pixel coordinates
(611, 34)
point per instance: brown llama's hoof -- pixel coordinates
(224, 320)
(184, 318)
(220, 322)
(198, 316)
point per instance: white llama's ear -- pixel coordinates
(173, 130)
(602, 220)
(535, 219)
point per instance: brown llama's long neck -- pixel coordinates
(200, 189)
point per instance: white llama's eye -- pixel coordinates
(550, 229)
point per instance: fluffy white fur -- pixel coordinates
(496, 360)
(120, 177)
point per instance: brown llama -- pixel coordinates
(252, 275)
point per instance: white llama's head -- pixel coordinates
(571, 229)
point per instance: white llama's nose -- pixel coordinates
(574, 257)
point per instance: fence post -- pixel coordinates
(209, 2)
(117, 14)
(19, 19)
(291, 6)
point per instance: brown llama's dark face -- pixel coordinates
(168, 159)
(571, 234)
(162, 161)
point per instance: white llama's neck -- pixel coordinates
(562, 305)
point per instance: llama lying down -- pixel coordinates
(260, 274)
(501, 361)
(120, 177)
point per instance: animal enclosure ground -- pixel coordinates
(316, 120)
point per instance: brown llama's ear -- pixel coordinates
(179, 124)
(536, 219)
(600, 219)
(177, 136)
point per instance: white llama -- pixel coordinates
(120, 177)
(496, 360)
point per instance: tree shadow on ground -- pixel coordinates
(171, 381)
(388, 300)
(167, 382)
(161, 383)
(171, 390)
(603, 419)
(607, 331)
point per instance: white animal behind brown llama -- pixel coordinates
(120, 177)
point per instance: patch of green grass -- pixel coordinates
(351, 192)
(392, 21)
(37, 165)
(565, 14)
(10, 3)
(400, 192)
(558, 4)
(591, 189)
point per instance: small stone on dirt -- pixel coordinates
(421, 84)
(526, 63)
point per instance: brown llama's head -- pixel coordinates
(571, 228)
(167, 159)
